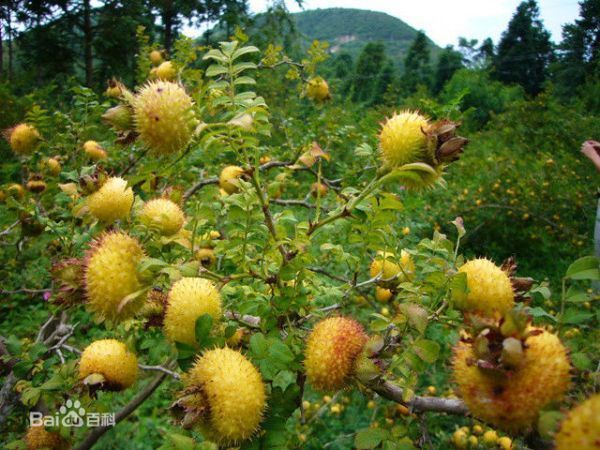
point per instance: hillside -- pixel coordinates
(350, 29)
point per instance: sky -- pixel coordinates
(445, 21)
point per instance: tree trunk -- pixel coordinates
(87, 42)
(168, 24)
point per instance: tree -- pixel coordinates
(525, 50)
(449, 62)
(580, 48)
(368, 67)
(384, 81)
(417, 66)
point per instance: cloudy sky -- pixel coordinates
(444, 21)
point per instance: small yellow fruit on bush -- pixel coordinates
(382, 294)
(16, 190)
(228, 177)
(111, 359)
(490, 289)
(490, 438)
(38, 438)
(164, 117)
(23, 138)
(318, 190)
(505, 443)
(402, 138)
(513, 401)
(473, 441)
(581, 428)
(478, 430)
(156, 58)
(166, 71)
(386, 264)
(111, 276)
(206, 256)
(36, 185)
(331, 349)
(112, 201)
(232, 393)
(53, 166)
(317, 89)
(164, 215)
(94, 151)
(189, 299)
(460, 439)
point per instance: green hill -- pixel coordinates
(350, 29)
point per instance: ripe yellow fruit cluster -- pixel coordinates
(23, 138)
(513, 401)
(164, 117)
(189, 299)
(490, 291)
(111, 359)
(234, 393)
(112, 201)
(581, 429)
(111, 276)
(164, 215)
(331, 350)
(403, 139)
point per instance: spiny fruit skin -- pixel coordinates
(234, 391)
(189, 299)
(164, 117)
(112, 201)
(119, 117)
(111, 275)
(16, 190)
(166, 71)
(490, 289)
(317, 89)
(111, 359)
(331, 350)
(229, 174)
(206, 256)
(389, 266)
(38, 438)
(512, 402)
(94, 151)
(581, 428)
(402, 138)
(23, 138)
(53, 166)
(163, 214)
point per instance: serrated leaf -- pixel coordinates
(417, 316)
(586, 268)
(575, 316)
(202, 328)
(427, 350)
(369, 438)
(215, 69)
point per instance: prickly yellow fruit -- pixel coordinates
(490, 438)
(382, 294)
(581, 429)
(402, 138)
(164, 215)
(53, 166)
(38, 438)
(386, 264)
(111, 276)
(229, 176)
(505, 443)
(490, 289)
(317, 89)
(112, 201)
(166, 71)
(36, 185)
(331, 350)
(460, 439)
(232, 394)
(16, 190)
(513, 401)
(156, 57)
(164, 117)
(206, 256)
(111, 359)
(23, 138)
(94, 151)
(189, 299)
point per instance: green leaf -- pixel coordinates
(284, 379)
(417, 316)
(243, 51)
(427, 350)
(259, 345)
(586, 268)
(369, 438)
(215, 69)
(581, 361)
(202, 328)
(575, 316)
